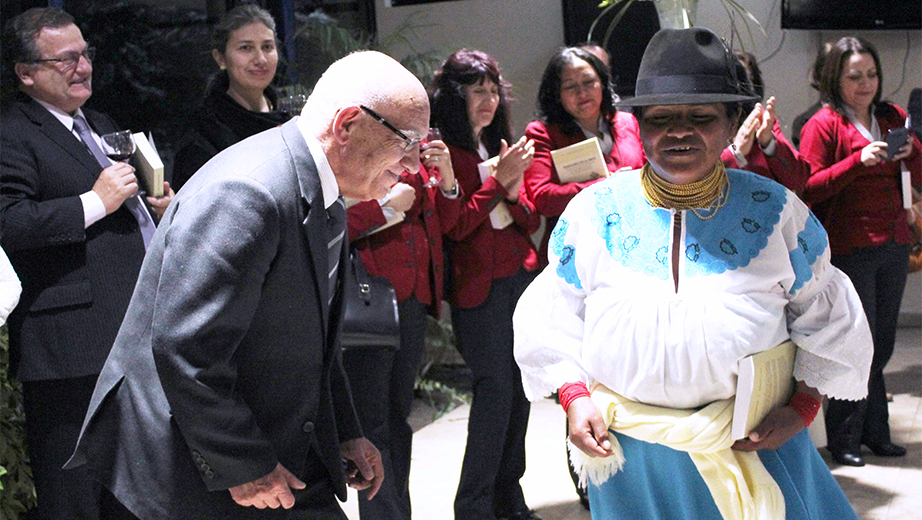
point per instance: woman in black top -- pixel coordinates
(240, 100)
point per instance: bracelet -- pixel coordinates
(806, 406)
(741, 161)
(569, 392)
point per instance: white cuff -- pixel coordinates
(93, 208)
(772, 147)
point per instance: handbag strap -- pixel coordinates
(361, 276)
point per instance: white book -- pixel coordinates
(765, 382)
(148, 165)
(580, 162)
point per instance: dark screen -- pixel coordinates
(851, 14)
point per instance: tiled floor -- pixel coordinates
(885, 489)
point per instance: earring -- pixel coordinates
(222, 67)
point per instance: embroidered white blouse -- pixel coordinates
(751, 275)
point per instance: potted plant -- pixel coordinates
(674, 14)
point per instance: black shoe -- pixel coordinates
(847, 458)
(887, 449)
(523, 515)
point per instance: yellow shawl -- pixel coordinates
(741, 486)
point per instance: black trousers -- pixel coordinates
(382, 387)
(879, 276)
(54, 415)
(494, 459)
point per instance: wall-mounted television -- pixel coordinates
(851, 14)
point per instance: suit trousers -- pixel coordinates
(879, 276)
(383, 385)
(54, 414)
(494, 458)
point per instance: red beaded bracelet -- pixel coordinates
(806, 406)
(569, 392)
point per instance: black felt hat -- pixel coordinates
(686, 67)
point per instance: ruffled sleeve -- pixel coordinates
(824, 316)
(549, 318)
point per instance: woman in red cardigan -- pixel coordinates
(492, 260)
(399, 237)
(575, 103)
(759, 145)
(856, 192)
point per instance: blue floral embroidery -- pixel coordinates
(739, 230)
(638, 238)
(634, 235)
(566, 265)
(811, 242)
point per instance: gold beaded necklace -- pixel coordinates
(710, 193)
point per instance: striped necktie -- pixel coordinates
(336, 231)
(133, 203)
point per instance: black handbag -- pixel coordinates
(370, 318)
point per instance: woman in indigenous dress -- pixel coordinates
(660, 281)
(575, 103)
(856, 192)
(492, 260)
(241, 100)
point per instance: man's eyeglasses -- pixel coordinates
(70, 59)
(410, 142)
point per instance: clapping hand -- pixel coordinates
(402, 197)
(513, 161)
(767, 124)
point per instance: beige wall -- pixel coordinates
(523, 34)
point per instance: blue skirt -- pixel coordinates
(660, 483)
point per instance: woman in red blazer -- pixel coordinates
(409, 254)
(856, 192)
(575, 103)
(759, 145)
(492, 260)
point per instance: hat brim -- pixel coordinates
(683, 99)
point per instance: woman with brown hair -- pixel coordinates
(856, 191)
(241, 100)
(491, 260)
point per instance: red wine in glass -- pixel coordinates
(118, 146)
(118, 156)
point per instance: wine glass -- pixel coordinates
(434, 179)
(291, 104)
(118, 146)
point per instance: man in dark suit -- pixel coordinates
(225, 386)
(74, 229)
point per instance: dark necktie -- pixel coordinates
(133, 203)
(336, 231)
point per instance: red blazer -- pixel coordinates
(859, 206)
(479, 254)
(787, 167)
(549, 196)
(408, 254)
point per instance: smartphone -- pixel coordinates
(895, 139)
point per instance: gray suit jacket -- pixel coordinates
(228, 361)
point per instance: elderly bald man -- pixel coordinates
(224, 395)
